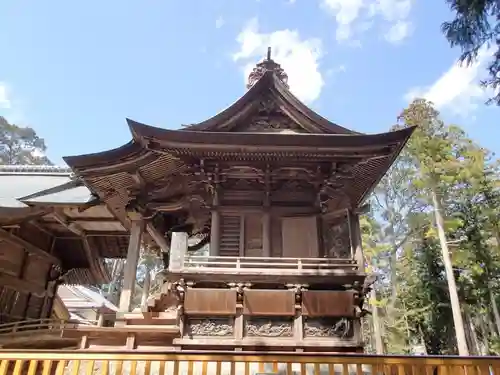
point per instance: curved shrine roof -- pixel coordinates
(267, 123)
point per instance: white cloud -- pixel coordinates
(345, 12)
(458, 89)
(350, 14)
(5, 102)
(398, 32)
(298, 57)
(219, 22)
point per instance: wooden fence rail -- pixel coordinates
(230, 363)
(38, 324)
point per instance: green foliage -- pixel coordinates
(476, 25)
(21, 145)
(403, 245)
(426, 298)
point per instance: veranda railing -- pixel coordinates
(231, 363)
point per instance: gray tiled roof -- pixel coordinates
(22, 184)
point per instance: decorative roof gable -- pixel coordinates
(269, 106)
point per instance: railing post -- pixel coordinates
(238, 263)
(299, 264)
(215, 225)
(178, 249)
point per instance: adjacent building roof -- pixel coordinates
(59, 203)
(18, 183)
(79, 299)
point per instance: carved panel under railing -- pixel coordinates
(338, 328)
(209, 327)
(269, 327)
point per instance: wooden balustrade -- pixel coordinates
(48, 324)
(242, 264)
(231, 363)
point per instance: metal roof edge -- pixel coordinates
(35, 169)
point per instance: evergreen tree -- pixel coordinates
(476, 25)
(21, 145)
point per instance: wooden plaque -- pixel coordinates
(269, 302)
(327, 303)
(208, 302)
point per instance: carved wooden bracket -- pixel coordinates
(298, 289)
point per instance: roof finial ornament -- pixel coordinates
(268, 65)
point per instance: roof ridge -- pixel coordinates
(26, 168)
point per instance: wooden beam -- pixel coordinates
(95, 233)
(62, 219)
(138, 179)
(71, 219)
(18, 241)
(40, 227)
(158, 238)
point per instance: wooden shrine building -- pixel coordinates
(52, 231)
(274, 191)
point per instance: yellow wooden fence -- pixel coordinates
(230, 363)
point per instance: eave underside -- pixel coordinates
(162, 164)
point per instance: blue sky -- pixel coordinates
(75, 70)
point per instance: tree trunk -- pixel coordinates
(450, 278)
(379, 344)
(494, 308)
(474, 340)
(485, 346)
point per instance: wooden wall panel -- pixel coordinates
(19, 306)
(269, 302)
(32, 234)
(7, 297)
(208, 302)
(35, 306)
(327, 303)
(37, 270)
(300, 237)
(11, 258)
(253, 235)
(276, 237)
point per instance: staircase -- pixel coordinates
(230, 236)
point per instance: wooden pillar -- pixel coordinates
(215, 226)
(266, 234)
(100, 317)
(355, 239)
(134, 248)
